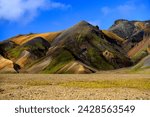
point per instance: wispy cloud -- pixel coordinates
(127, 10)
(106, 10)
(58, 5)
(26, 10)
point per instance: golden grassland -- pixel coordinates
(125, 83)
(139, 83)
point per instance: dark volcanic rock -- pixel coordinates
(137, 37)
(123, 28)
(131, 31)
(5, 46)
(37, 46)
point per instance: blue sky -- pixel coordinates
(38, 16)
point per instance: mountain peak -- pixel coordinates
(83, 23)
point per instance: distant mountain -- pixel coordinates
(137, 39)
(131, 31)
(83, 48)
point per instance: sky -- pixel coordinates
(39, 16)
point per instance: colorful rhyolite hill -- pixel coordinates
(83, 48)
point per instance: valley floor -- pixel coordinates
(102, 86)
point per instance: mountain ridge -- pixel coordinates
(83, 48)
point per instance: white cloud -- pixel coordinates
(16, 10)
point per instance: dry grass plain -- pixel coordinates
(102, 86)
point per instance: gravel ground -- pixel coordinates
(47, 87)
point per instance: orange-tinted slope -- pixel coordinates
(142, 45)
(139, 47)
(21, 39)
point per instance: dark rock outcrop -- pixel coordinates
(37, 46)
(5, 46)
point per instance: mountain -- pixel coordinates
(131, 31)
(83, 48)
(137, 40)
